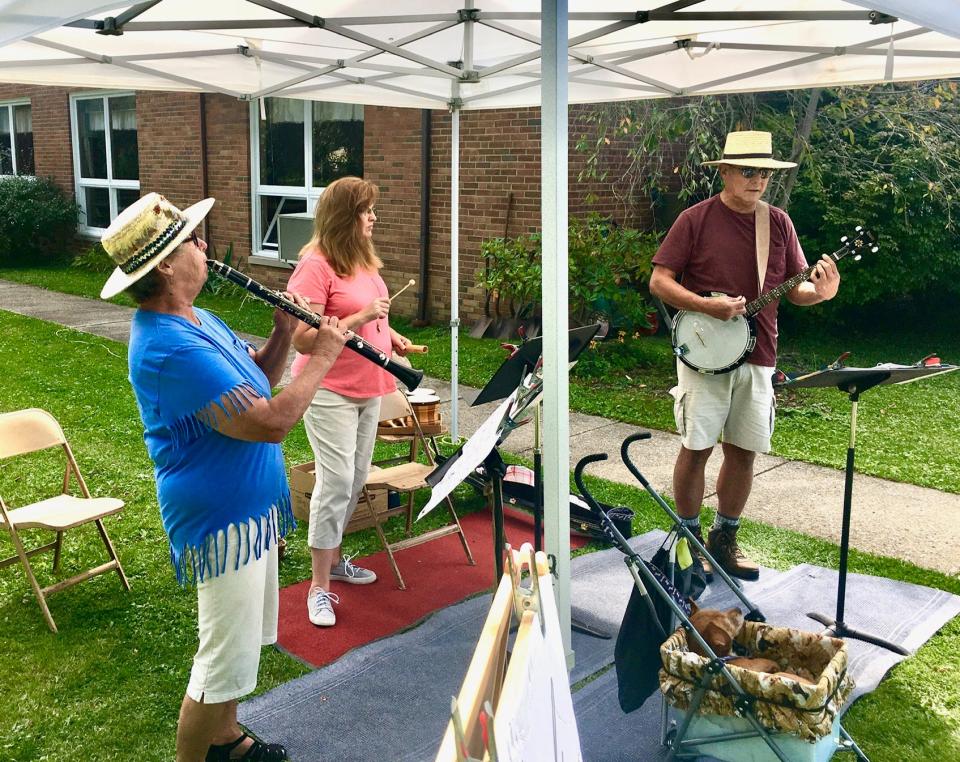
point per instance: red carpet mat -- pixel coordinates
(436, 574)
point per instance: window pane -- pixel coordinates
(282, 143)
(125, 197)
(270, 208)
(23, 139)
(337, 142)
(6, 154)
(97, 207)
(123, 138)
(92, 141)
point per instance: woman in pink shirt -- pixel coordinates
(339, 272)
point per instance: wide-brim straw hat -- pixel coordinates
(750, 148)
(144, 234)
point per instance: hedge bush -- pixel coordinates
(38, 221)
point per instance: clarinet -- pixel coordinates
(409, 377)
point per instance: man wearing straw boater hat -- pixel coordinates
(212, 429)
(714, 246)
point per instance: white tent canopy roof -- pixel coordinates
(409, 52)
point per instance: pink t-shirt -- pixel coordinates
(352, 375)
(713, 248)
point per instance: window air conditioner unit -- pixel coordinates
(293, 232)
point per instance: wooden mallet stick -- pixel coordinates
(409, 283)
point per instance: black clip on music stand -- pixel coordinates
(854, 382)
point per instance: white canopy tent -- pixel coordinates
(445, 54)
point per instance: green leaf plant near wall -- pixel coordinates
(609, 269)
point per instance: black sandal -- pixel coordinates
(258, 751)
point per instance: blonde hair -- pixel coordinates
(336, 226)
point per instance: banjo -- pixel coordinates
(713, 346)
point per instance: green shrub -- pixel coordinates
(38, 221)
(94, 260)
(609, 267)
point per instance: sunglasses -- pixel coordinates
(193, 238)
(749, 172)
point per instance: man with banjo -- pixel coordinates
(708, 266)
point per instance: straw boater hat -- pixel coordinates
(750, 148)
(143, 234)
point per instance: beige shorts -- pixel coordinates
(237, 615)
(737, 406)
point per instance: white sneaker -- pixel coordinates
(320, 607)
(345, 571)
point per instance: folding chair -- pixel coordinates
(27, 431)
(407, 478)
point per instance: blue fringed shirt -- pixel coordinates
(206, 481)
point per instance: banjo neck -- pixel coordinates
(775, 293)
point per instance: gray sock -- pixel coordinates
(693, 523)
(725, 522)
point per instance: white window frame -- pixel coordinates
(10, 105)
(308, 192)
(81, 183)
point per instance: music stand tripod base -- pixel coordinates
(855, 381)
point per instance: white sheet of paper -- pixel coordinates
(476, 448)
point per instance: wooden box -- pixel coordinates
(302, 478)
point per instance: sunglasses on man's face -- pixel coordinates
(749, 172)
(193, 238)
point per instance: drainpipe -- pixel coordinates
(425, 147)
(204, 185)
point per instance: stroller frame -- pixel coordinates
(681, 747)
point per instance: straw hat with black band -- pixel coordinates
(144, 234)
(750, 148)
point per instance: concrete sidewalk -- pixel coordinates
(889, 518)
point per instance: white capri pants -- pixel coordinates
(236, 615)
(738, 405)
(342, 431)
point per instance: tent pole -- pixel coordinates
(556, 442)
(454, 264)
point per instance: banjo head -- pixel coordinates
(709, 345)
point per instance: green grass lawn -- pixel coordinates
(109, 685)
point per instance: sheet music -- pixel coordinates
(472, 454)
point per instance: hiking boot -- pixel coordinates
(320, 607)
(722, 544)
(704, 562)
(345, 571)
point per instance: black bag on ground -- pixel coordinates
(647, 623)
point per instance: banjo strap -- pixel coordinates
(762, 224)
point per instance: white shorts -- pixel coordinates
(237, 615)
(342, 432)
(739, 406)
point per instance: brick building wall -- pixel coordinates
(499, 169)
(168, 141)
(228, 176)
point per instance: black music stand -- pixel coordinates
(854, 382)
(507, 378)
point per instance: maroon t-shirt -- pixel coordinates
(713, 248)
